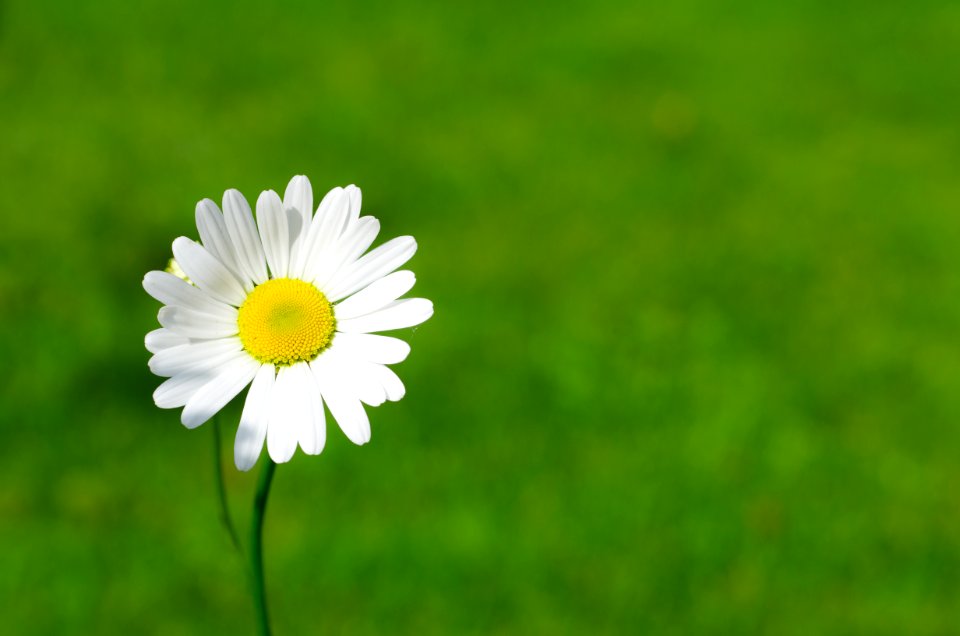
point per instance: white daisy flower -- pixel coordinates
(288, 305)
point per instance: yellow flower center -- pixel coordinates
(284, 321)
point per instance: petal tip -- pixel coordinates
(193, 420)
(268, 195)
(242, 464)
(233, 197)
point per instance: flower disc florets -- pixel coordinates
(284, 321)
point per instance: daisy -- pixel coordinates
(286, 304)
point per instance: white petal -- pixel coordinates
(310, 424)
(195, 324)
(366, 386)
(355, 201)
(207, 272)
(311, 233)
(215, 394)
(371, 348)
(272, 221)
(355, 241)
(214, 236)
(160, 339)
(351, 369)
(344, 405)
(297, 234)
(286, 407)
(325, 229)
(378, 263)
(388, 380)
(377, 295)
(299, 196)
(330, 204)
(244, 236)
(172, 290)
(398, 315)
(253, 421)
(205, 355)
(176, 391)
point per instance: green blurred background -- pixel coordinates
(694, 363)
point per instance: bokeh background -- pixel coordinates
(694, 365)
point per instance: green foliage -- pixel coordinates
(694, 362)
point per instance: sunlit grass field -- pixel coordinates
(695, 360)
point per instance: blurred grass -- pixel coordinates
(694, 362)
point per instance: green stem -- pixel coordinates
(256, 546)
(221, 489)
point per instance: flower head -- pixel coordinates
(286, 304)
